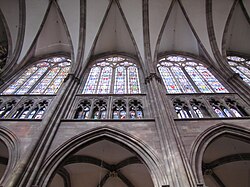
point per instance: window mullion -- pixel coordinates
(51, 81)
(113, 80)
(25, 81)
(38, 81)
(190, 80)
(99, 78)
(127, 80)
(176, 80)
(207, 83)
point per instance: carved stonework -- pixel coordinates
(209, 106)
(151, 77)
(76, 79)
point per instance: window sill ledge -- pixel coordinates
(203, 119)
(94, 120)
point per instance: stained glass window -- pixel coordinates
(198, 80)
(187, 75)
(169, 80)
(135, 109)
(29, 110)
(182, 79)
(6, 108)
(118, 75)
(241, 66)
(92, 81)
(83, 110)
(105, 81)
(100, 109)
(119, 109)
(44, 77)
(120, 80)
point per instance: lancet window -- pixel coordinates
(43, 77)
(182, 110)
(31, 110)
(83, 110)
(100, 109)
(241, 66)
(119, 109)
(220, 109)
(219, 106)
(199, 109)
(109, 108)
(235, 108)
(135, 109)
(6, 107)
(187, 75)
(117, 75)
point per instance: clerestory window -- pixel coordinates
(241, 66)
(43, 77)
(187, 75)
(117, 75)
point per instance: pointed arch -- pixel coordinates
(11, 142)
(129, 82)
(204, 139)
(187, 73)
(47, 75)
(145, 153)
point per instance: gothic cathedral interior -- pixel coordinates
(124, 93)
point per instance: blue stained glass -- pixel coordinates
(116, 114)
(236, 113)
(123, 114)
(133, 81)
(132, 114)
(219, 112)
(39, 115)
(139, 114)
(103, 113)
(198, 80)
(244, 70)
(120, 80)
(43, 84)
(243, 76)
(92, 81)
(24, 77)
(57, 81)
(241, 66)
(212, 81)
(31, 115)
(105, 81)
(168, 80)
(186, 86)
(227, 112)
(125, 77)
(40, 77)
(32, 80)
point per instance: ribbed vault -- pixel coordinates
(226, 162)
(102, 164)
